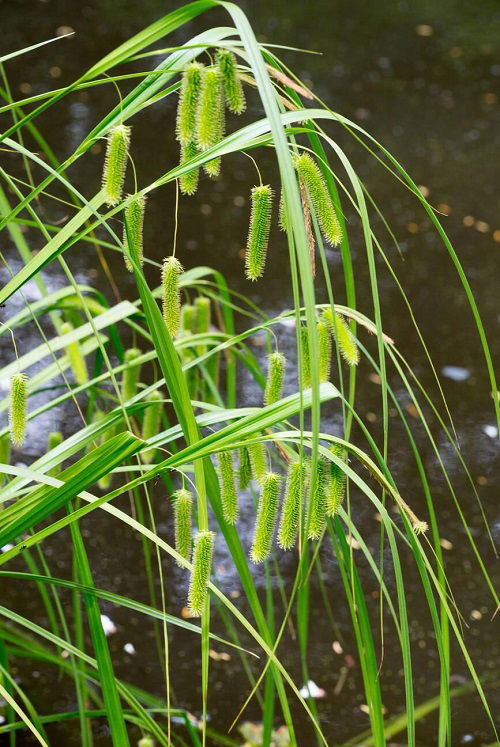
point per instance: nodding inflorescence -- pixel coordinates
(171, 272)
(210, 116)
(336, 487)
(188, 103)
(313, 180)
(305, 358)
(75, 356)
(231, 83)
(325, 351)
(132, 232)
(258, 233)
(266, 518)
(188, 182)
(151, 422)
(115, 163)
(200, 575)
(188, 319)
(202, 311)
(245, 468)
(292, 505)
(131, 373)
(317, 505)
(257, 454)
(17, 408)
(229, 496)
(343, 336)
(275, 376)
(183, 510)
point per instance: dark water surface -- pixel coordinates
(423, 78)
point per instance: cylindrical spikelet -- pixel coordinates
(172, 269)
(151, 423)
(258, 233)
(233, 89)
(188, 182)
(245, 470)
(257, 454)
(282, 213)
(343, 337)
(75, 356)
(317, 505)
(131, 374)
(146, 742)
(202, 308)
(115, 163)
(4, 454)
(55, 439)
(17, 408)
(188, 103)
(292, 504)
(228, 494)
(200, 576)
(336, 488)
(266, 518)
(305, 358)
(210, 121)
(132, 232)
(325, 351)
(314, 182)
(275, 374)
(188, 319)
(183, 510)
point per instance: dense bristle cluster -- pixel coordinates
(292, 505)
(282, 213)
(311, 177)
(343, 337)
(75, 356)
(17, 408)
(200, 576)
(266, 518)
(183, 510)
(245, 468)
(115, 163)
(325, 351)
(275, 374)
(132, 232)
(305, 358)
(188, 182)
(257, 454)
(317, 505)
(336, 488)
(151, 422)
(258, 233)
(188, 318)
(171, 271)
(228, 494)
(202, 310)
(188, 103)
(210, 119)
(233, 89)
(131, 373)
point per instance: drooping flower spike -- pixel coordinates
(258, 233)
(200, 576)
(115, 163)
(275, 374)
(132, 232)
(233, 88)
(266, 518)
(183, 509)
(17, 408)
(171, 271)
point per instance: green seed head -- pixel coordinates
(183, 510)
(17, 408)
(146, 742)
(132, 232)
(200, 576)
(257, 453)
(188, 103)
(229, 497)
(172, 269)
(305, 359)
(292, 505)
(151, 422)
(317, 505)
(325, 351)
(311, 177)
(245, 471)
(233, 89)
(75, 356)
(210, 112)
(282, 213)
(55, 439)
(343, 337)
(188, 182)
(266, 518)
(202, 306)
(188, 319)
(115, 163)
(130, 374)
(336, 488)
(258, 234)
(275, 373)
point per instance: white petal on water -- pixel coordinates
(490, 430)
(130, 649)
(456, 373)
(108, 625)
(311, 690)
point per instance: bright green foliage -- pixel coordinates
(258, 233)
(210, 119)
(292, 505)
(4, 453)
(115, 164)
(305, 358)
(257, 453)
(245, 470)
(317, 505)
(266, 518)
(275, 374)
(202, 308)
(171, 271)
(130, 374)
(229, 497)
(151, 422)
(188, 103)
(343, 337)
(76, 358)
(188, 182)
(132, 231)
(336, 488)
(233, 88)
(188, 318)
(17, 408)
(183, 510)
(314, 182)
(325, 351)
(55, 439)
(200, 576)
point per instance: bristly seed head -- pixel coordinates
(17, 408)
(257, 453)
(292, 505)
(245, 470)
(233, 88)
(266, 518)
(188, 182)
(317, 505)
(305, 358)
(229, 496)
(210, 119)
(258, 234)
(200, 576)
(325, 351)
(311, 177)
(115, 163)
(172, 269)
(343, 337)
(132, 232)
(336, 488)
(183, 509)
(275, 374)
(188, 103)
(151, 422)
(131, 373)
